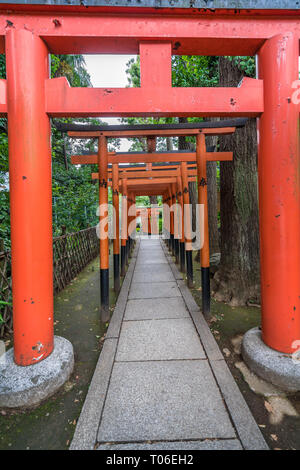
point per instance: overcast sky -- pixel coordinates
(109, 71)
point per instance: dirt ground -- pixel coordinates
(51, 425)
(277, 414)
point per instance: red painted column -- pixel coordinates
(30, 196)
(181, 242)
(173, 191)
(171, 218)
(124, 231)
(103, 223)
(116, 219)
(279, 180)
(187, 224)
(149, 221)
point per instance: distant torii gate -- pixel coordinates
(102, 159)
(29, 98)
(201, 156)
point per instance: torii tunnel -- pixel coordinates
(29, 98)
(160, 179)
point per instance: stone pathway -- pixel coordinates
(161, 381)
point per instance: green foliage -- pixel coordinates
(246, 64)
(143, 201)
(194, 71)
(74, 198)
(72, 67)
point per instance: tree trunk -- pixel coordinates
(237, 280)
(153, 200)
(169, 144)
(212, 206)
(212, 197)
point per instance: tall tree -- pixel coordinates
(237, 280)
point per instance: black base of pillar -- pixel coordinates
(205, 282)
(127, 252)
(189, 267)
(182, 256)
(116, 272)
(104, 286)
(166, 239)
(123, 260)
(129, 248)
(172, 243)
(176, 241)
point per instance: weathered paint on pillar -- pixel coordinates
(104, 239)
(279, 197)
(30, 196)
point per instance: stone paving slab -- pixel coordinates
(159, 340)
(214, 444)
(153, 276)
(141, 290)
(152, 260)
(149, 244)
(163, 400)
(153, 268)
(151, 249)
(146, 250)
(147, 309)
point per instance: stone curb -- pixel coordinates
(243, 420)
(85, 435)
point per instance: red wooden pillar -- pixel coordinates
(104, 240)
(181, 222)
(124, 226)
(116, 219)
(174, 247)
(129, 220)
(30, 196)
(134, 218)
(149, 221)
(187, 225)
(202, 203)
(171, 218)
(279, 180)
(154, 221)
(164, 215)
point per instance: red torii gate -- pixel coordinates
(201, 156)
(29, 98)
